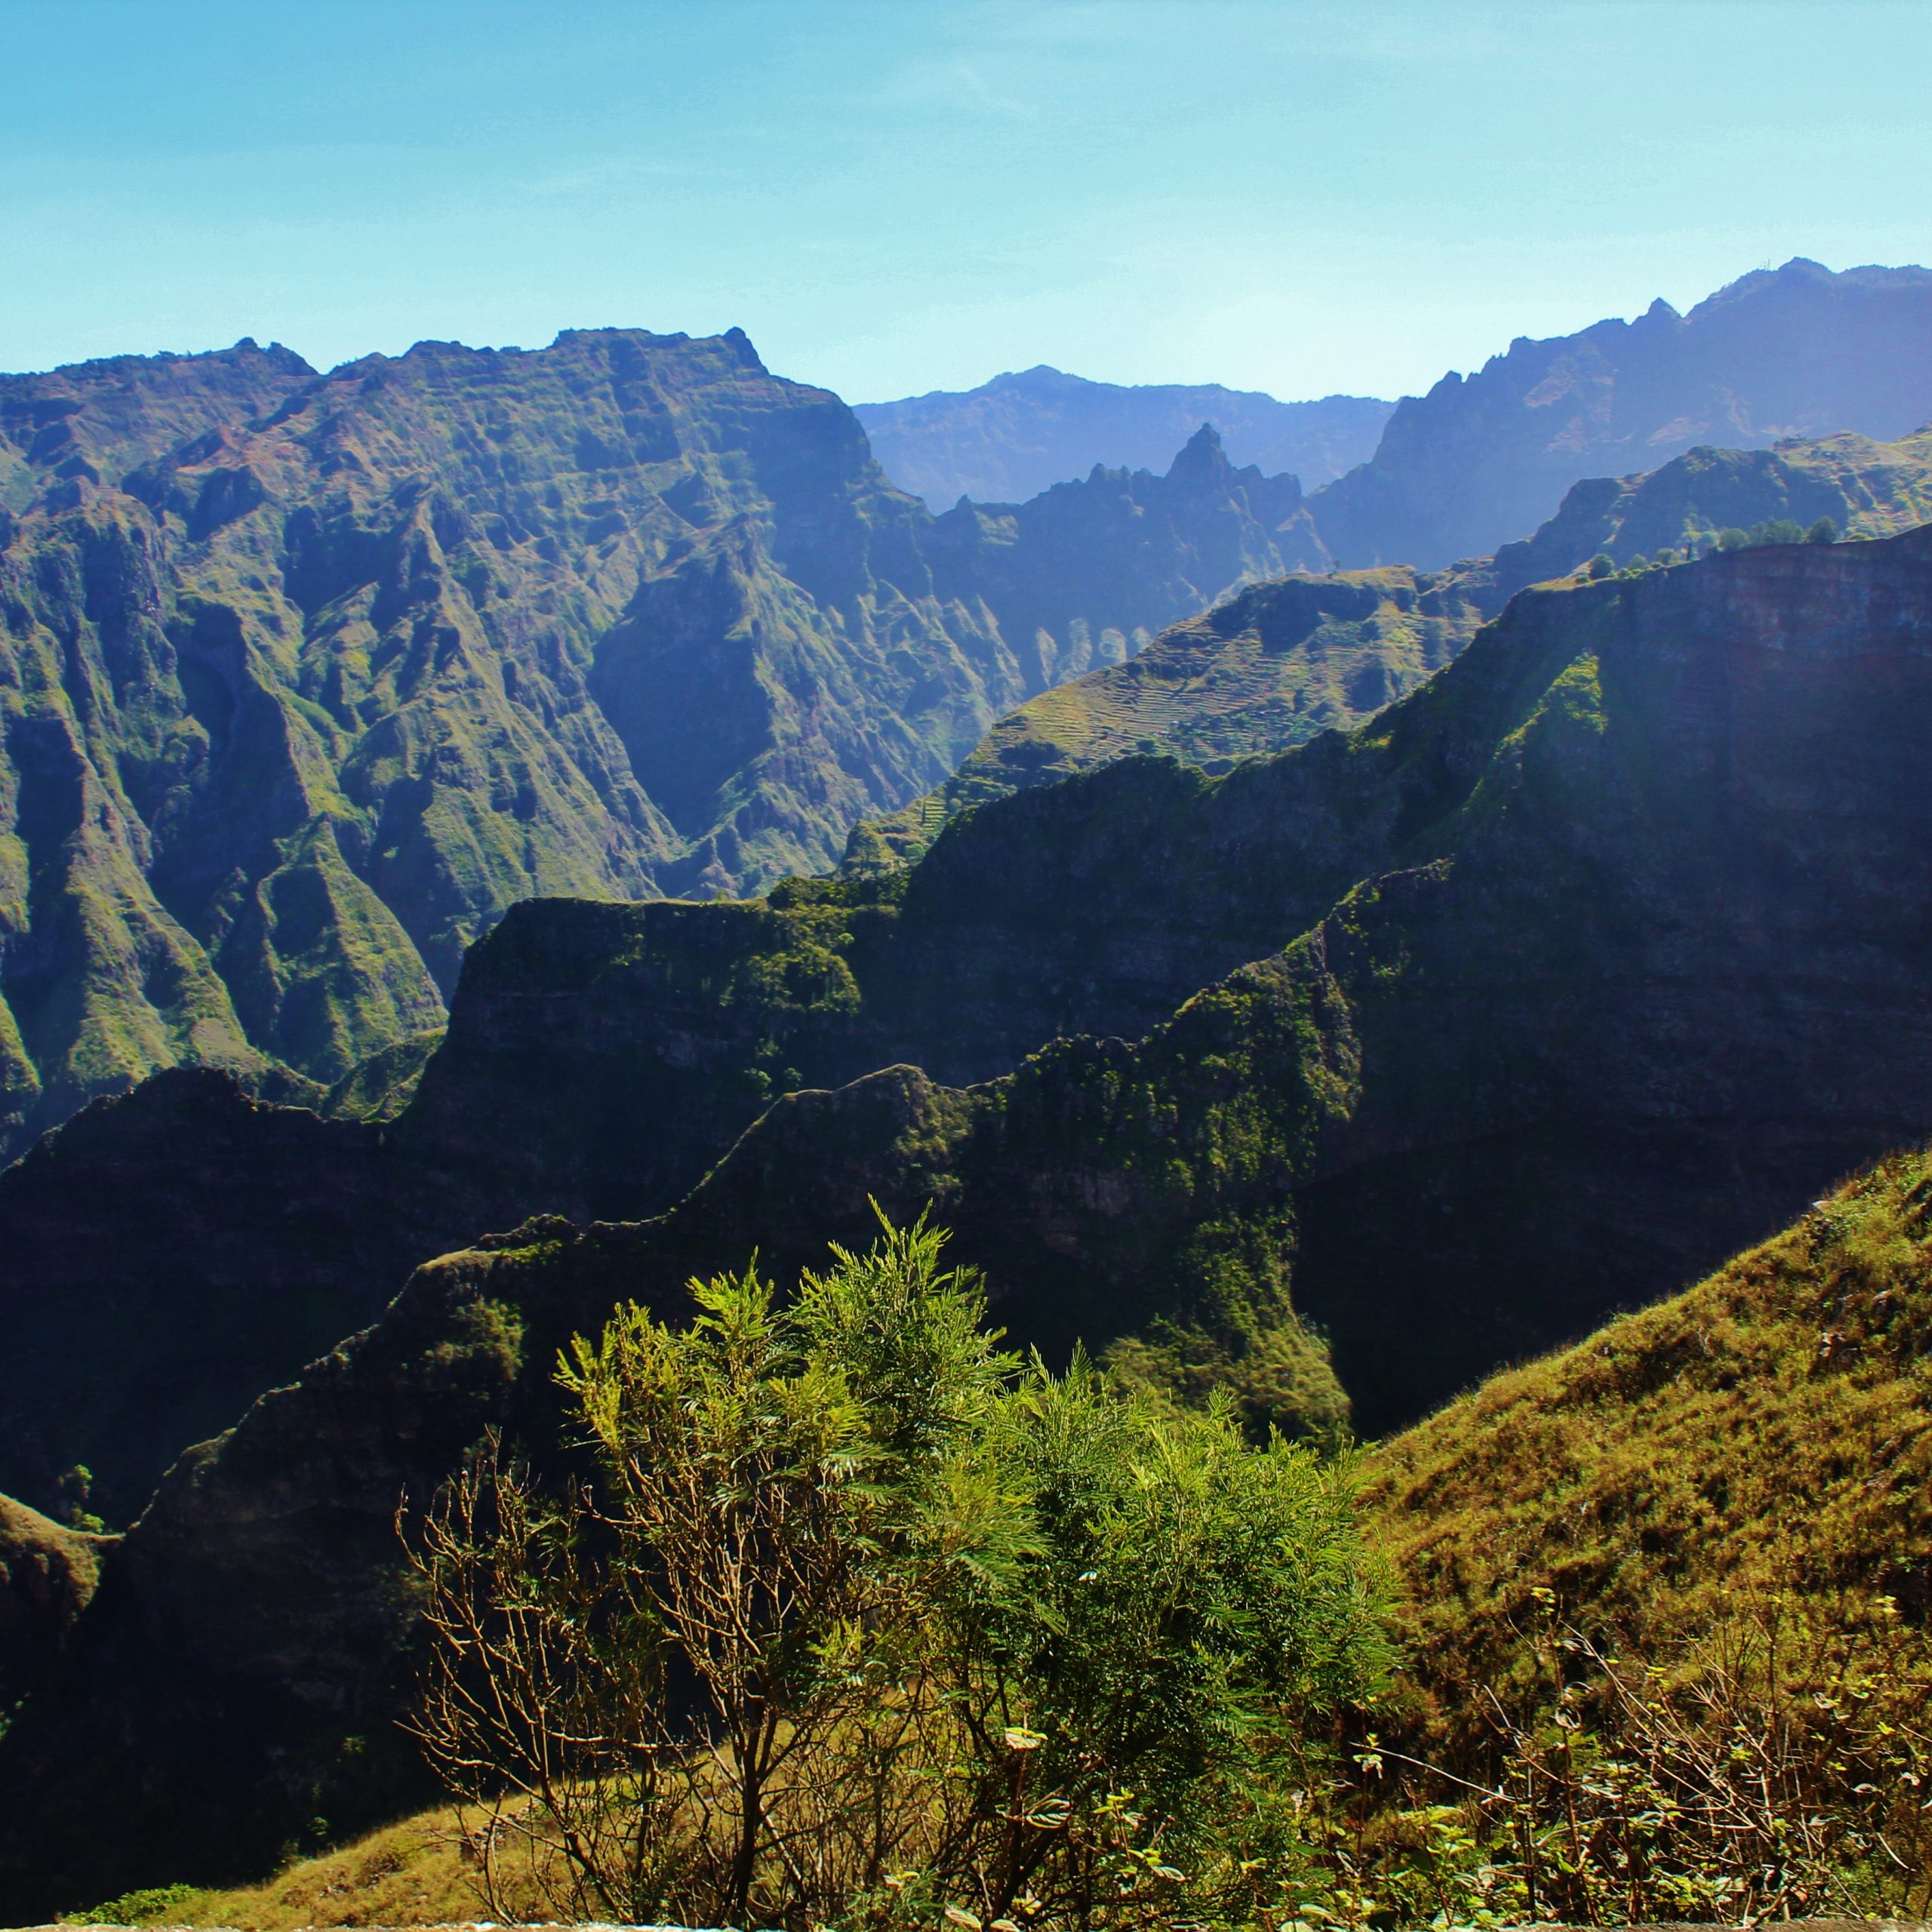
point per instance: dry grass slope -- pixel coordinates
(1766, 1435)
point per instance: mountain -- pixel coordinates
(1273, 666)
(1480, 462)
(616, 1055)
(303, 679)
(1586, 964)
(1864, 488)
(1281, 662)
(1019, 434)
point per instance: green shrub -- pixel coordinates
(156, 1904)
(849, 1617)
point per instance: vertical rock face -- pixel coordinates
(1482, 461)
(304, 679)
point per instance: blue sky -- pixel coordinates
(897, 197)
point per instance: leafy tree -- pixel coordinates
(1778, 530)
(1636, 567)
(1600, 566)
(849, 1613)
(1823, 531)
(1733, 539)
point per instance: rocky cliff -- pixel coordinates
(1480, 461)
(1593, 959)
(1021, 433)
(303, 679)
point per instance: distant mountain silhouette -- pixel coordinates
(1013, 437)
(1482, 461)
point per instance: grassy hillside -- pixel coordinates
(1766, 1432)
(1763, 1438)
(1864, 487)
(1271, 668)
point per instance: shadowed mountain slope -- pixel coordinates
(1021, 433)
(1483, 460)
(1627, 960)
(1281, 662)
(304, 679)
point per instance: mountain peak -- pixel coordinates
(1201, 456)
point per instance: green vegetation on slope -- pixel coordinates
(1862, 488)
(1726, 1489)
(304, 680)
(1269, 668)
(1766, 1433)
(48, 1574)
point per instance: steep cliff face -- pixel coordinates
(1482, 461)
(1599, 956)
(303, 679)
(601, 1058)
(1021, 433)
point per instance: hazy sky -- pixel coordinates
(904, 196)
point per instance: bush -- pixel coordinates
(1733, 539)
(1774, 1769)
(156, 1904)
(1823, 531)
(1600, 566)
(848, 1615)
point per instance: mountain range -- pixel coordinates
(1384, 974)
(1022, 433)
(1586, 964)
(1480, 461)
(304, 679)
(615, 1054)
